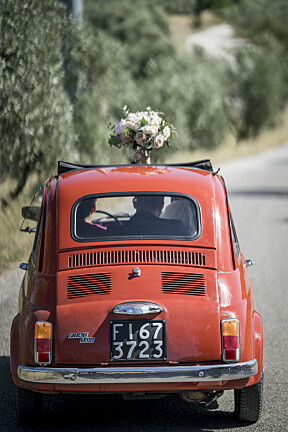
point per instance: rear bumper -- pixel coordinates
(135, 375)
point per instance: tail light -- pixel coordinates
(230, 340)
(43, 343)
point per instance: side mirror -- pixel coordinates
(31, 213)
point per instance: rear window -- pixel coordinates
(135, 216)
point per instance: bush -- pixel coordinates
(192, 91)
(105, 86)
(258, 89)
(35, 113)
(265, 24)
(143, 26)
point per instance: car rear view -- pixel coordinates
(136, 285)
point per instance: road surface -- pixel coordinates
(258, 190)
(217, 41)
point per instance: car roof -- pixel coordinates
(204, 185)
(130, 178)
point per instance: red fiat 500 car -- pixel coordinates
(136, 285)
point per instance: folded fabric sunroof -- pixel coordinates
(64, 167)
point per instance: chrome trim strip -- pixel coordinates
(134, 375)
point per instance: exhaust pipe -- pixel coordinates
(204, 403)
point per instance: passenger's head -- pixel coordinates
(85, 208)
(151, 203)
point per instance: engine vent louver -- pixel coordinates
(183, 283)
(139, 256)
(83, 285)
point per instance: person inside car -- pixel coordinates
(85, 227)
(146, 220)
(183, 210)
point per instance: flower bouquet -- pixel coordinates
(142, 131)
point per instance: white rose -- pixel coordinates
(166, 132)
(155, 121)
(150, 130)
(136, 125)
(131, 120)
(158, 141)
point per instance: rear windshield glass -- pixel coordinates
(141, 216)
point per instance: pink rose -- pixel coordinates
(158, 141)
(140, 138)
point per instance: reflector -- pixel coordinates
(43, 358)
(230, 354)
(230, 328)
(43, 330)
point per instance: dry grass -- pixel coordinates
(182, 26)
(15, 246)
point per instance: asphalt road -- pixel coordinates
(258, 190)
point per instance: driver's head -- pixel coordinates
(86, 207)
(151, 203)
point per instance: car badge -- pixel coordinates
(136, 272)
(83, 336)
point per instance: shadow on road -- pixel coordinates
(274, 193)
(7, 405)
(111, 413)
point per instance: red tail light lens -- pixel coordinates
(43, 343)
(230, 340)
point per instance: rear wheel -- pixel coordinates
(248, 402)
(28, 406)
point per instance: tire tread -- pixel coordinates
(248, 402)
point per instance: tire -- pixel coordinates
(248, 402)
(28, 406)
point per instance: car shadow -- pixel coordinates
(110, 413)
(114, 414)
(7, 394)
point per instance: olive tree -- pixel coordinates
(35, 113)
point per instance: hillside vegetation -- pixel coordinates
(62, 82)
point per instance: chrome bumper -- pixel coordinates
(135, 375)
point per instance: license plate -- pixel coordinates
(137, 340)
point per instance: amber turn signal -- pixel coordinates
(230, 329)
(43, 343)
